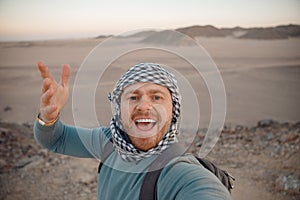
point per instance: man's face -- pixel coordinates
(146, 113)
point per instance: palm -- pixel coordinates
(60, 96)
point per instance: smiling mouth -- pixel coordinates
(145, 124)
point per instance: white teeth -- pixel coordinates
(145, 120)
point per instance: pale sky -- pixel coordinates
(49, 19)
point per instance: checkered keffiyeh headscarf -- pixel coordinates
(148, 73)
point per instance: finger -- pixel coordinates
(66, 72)
(46, 97)
(46, 84)
(45, 73)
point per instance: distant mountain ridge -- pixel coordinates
(259, 33)
(266, 33)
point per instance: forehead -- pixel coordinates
(146, 88)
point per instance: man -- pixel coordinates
(146, 100)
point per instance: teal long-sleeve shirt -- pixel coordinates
(182, 178)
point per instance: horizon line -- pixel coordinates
(58, 38)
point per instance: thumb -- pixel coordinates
(66, 72)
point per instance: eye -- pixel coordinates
(133, 98)
(157, 97)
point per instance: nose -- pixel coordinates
(144, 104)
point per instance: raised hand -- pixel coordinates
(54, 95)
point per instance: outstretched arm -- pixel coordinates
(54, 95)
(59, 137)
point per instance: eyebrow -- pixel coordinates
(151, 91)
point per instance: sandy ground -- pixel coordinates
(261, 78)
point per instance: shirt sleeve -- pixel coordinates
(71, 140)
(190, 181)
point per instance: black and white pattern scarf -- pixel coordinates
(148, 73)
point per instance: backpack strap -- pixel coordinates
(149, 187)
(107, 150)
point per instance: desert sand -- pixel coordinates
(261, 79)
